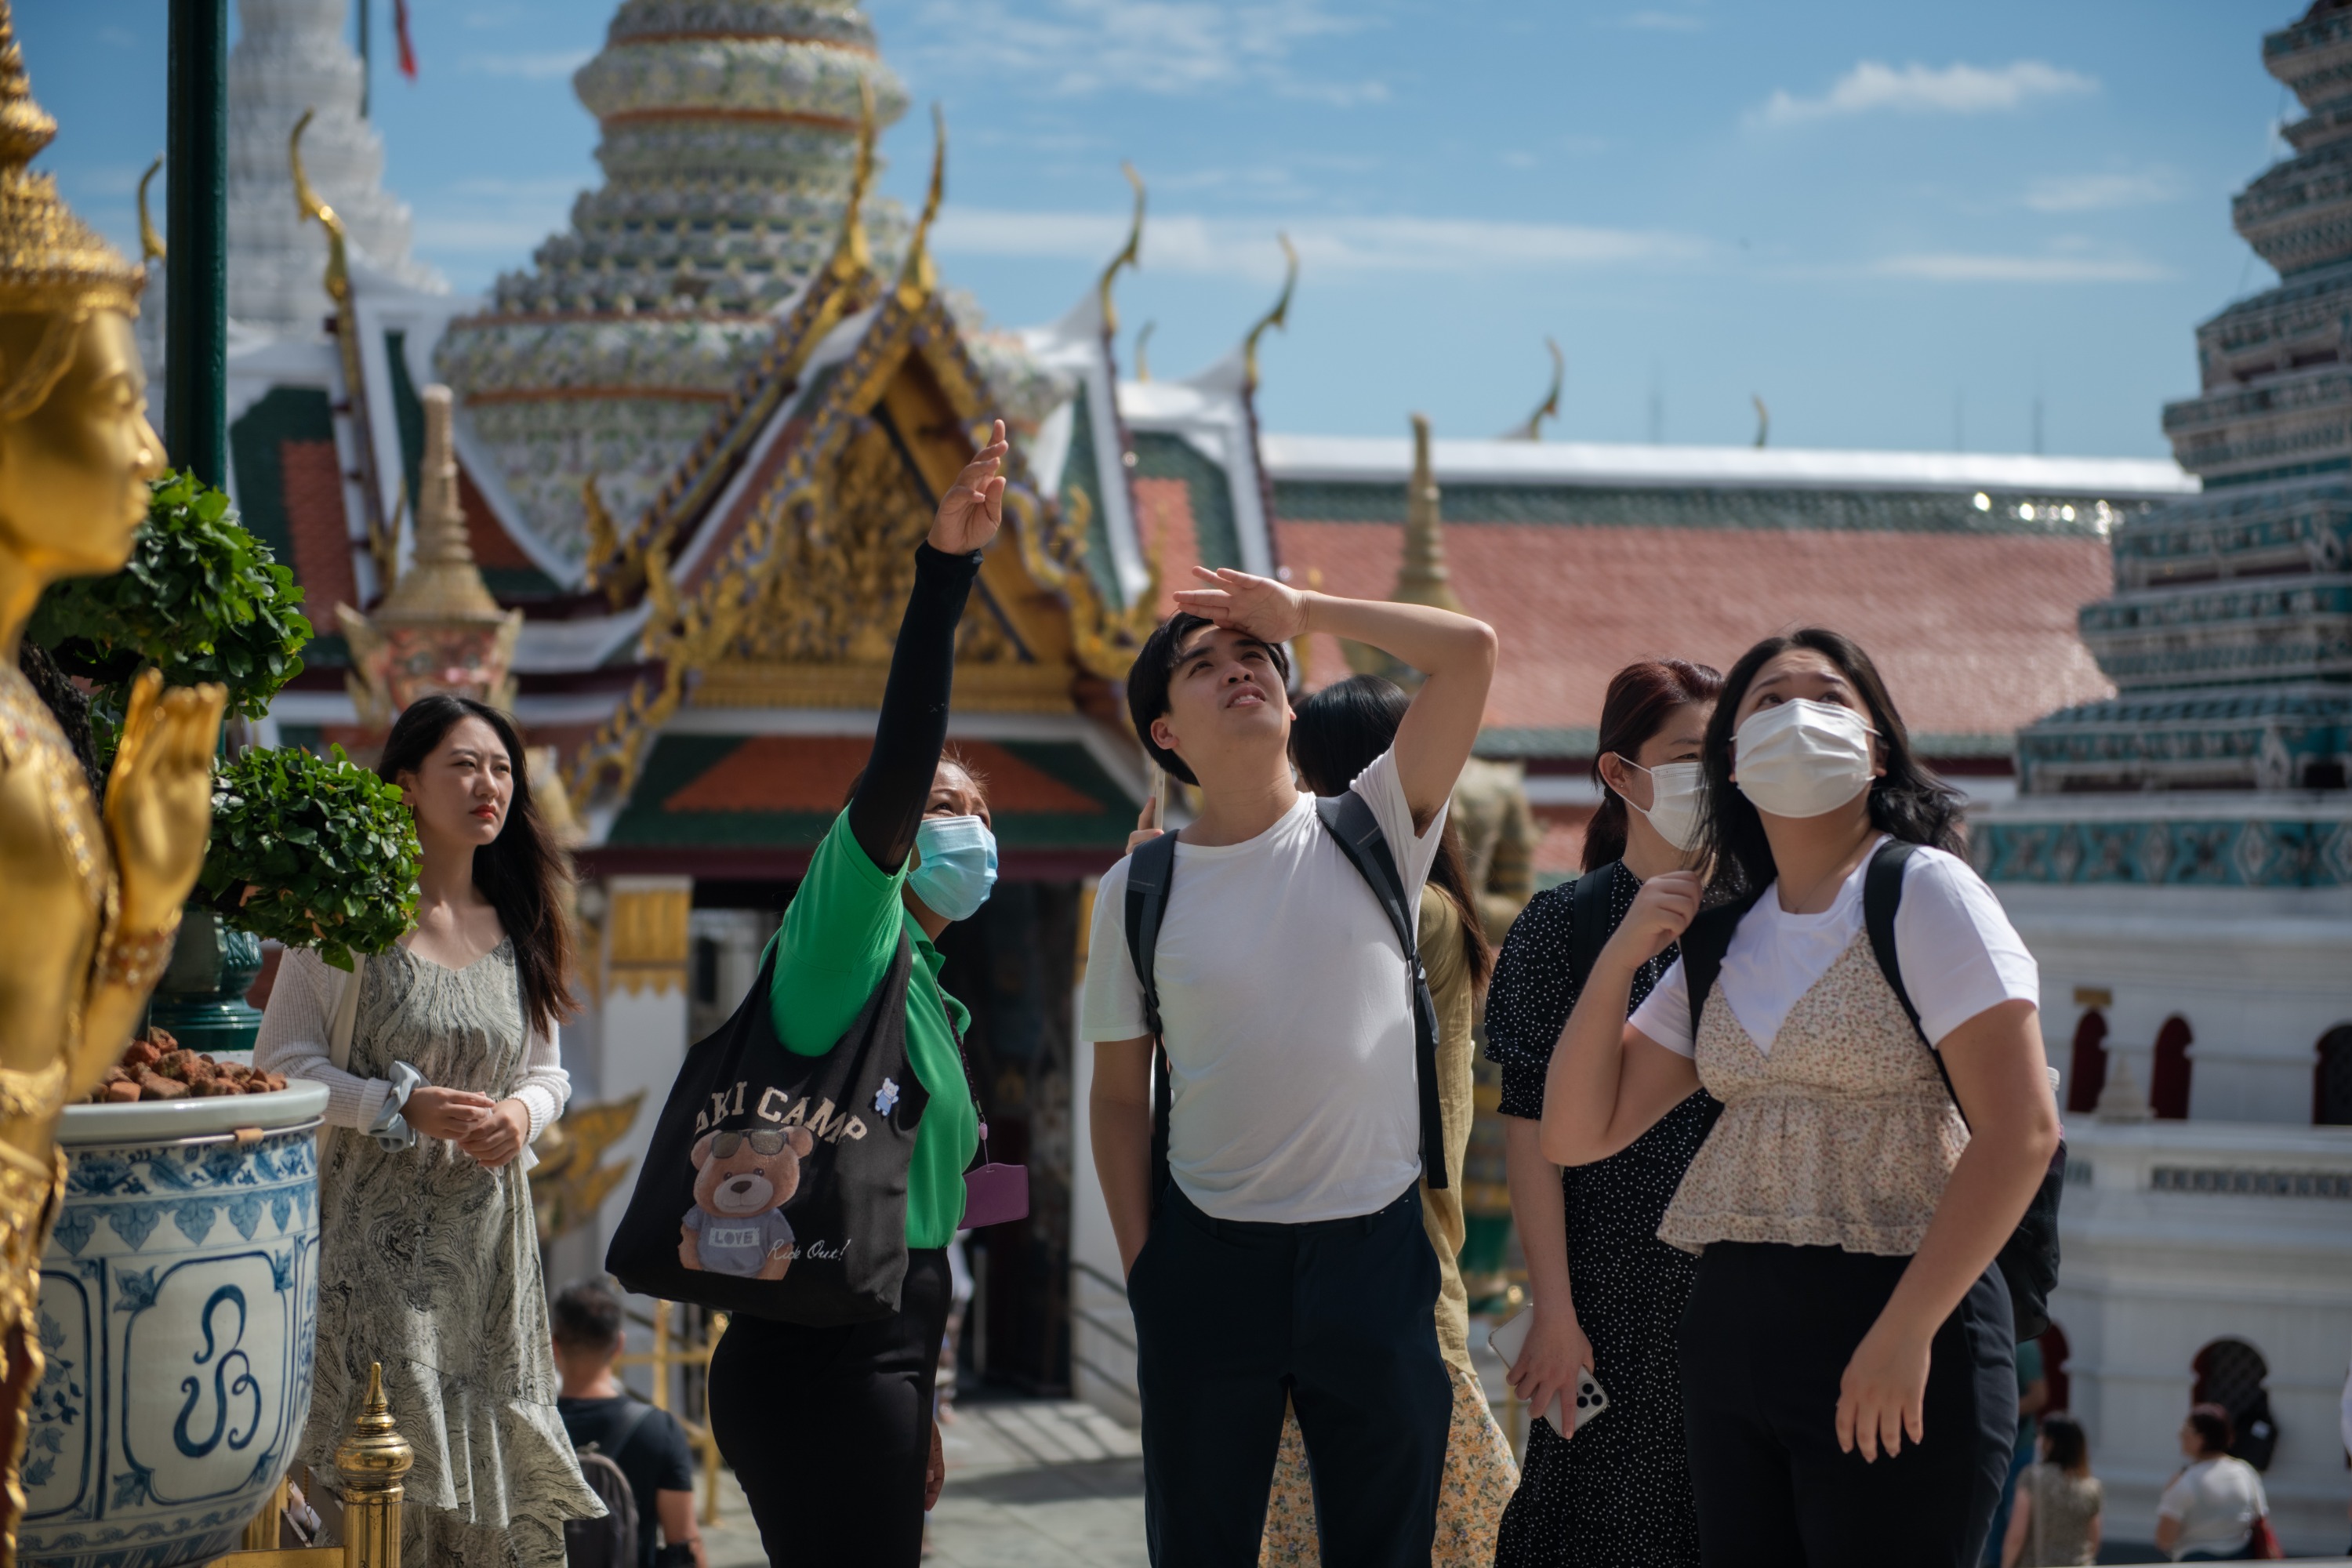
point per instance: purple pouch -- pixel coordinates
(993, 1193)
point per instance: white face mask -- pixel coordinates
(1677, 801)
(1802, 758)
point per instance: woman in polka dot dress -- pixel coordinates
(1606, 1292)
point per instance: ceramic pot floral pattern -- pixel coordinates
(179, 1303)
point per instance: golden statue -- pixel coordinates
(92, 903)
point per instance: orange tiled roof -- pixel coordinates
(1164, 516)
(814, 772)
(310, 480)
(1974, 634)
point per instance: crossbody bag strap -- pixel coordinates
(632, 1415)
(1882, 896)
(1150, 872)
(1351, 820)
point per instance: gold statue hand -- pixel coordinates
(159, 796)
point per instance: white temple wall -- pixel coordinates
(2258, 975)
(2149, 1277)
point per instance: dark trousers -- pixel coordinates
(829, 1430)
(1342, 1317)
(1764, 1340)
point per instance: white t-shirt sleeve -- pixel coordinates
(1113, 1004)
(1959, 954)
(1664, 1015)
(2174, 1503)
(1383, 790)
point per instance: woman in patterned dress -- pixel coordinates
(1336, 734)
(1606, 1290)
(428, 1258)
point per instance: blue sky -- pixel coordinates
(1899, 225)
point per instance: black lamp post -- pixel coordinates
(195, 331)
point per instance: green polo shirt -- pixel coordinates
(838, 937)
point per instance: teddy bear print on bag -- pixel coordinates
(741, 1182)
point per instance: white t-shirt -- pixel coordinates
(2217, 1501)
(1288, 1016)
(1957, 951)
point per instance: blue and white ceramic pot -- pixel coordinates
(179, 1303)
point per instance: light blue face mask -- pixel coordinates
(956, 865)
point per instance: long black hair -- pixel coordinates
(1340, 732)
(1642, 697)
(1907, 801)
(523, 872)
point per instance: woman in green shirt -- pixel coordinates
(829, 1429)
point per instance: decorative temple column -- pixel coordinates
(438, 629)
(372, 1462)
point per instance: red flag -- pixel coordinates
(400, 31)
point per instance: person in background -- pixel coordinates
(428, 1253)
(1339, 733)
(648, 1445)
(1848, 1353)
(1607, 1291)
(2055, 1521)
(2211, 1507)
(2032, 1399)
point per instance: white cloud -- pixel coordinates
(1873, 84)
(2096, 193)
(529, 67)
(1167, 47)
(1229, 246)
(1962, 267)
(512, 239)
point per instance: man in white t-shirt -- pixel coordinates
(1286, 1254)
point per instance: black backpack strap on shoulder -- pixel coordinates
(1882, 895)
(1703, 944)
(632, 1415)
(1150, 872)
(1589, 923)
(1350, 820)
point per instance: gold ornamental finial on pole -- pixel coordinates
(151, 240)
(308, 205)
(1549, 408)
(917, 278)
(1277, 317)
(1130, 255)
(373, 1461)
(1422, 579)
(853, 257)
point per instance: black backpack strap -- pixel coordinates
(632, 1415)
(1882, 895)
(1150, 872)
(1703, 944)
(1589, 923)
(1350, 821)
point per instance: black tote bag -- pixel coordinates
(775, 1183)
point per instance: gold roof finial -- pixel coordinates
(1549, 408)
(1422, 578)
(51, 263)
(917, 278)
(1277, 317)
(1763, 418)
(1130, 255)
(150, 241)
(307, 203)
(1142, 347)
(854, 256)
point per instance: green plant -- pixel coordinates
(311, 851)
(201, 599)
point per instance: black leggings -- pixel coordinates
(1764, 1340)
(829, 1430)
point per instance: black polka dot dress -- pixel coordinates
(1619, 1494)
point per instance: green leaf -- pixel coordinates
(324, 846)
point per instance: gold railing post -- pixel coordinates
(261, 1530)
(373, 1460)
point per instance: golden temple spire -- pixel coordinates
(1130, 255)
(1422, 578)
(1549, 408)
(307, 203)
(918, 278)
(854, 256)
(1277, 317)
(150, 242)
